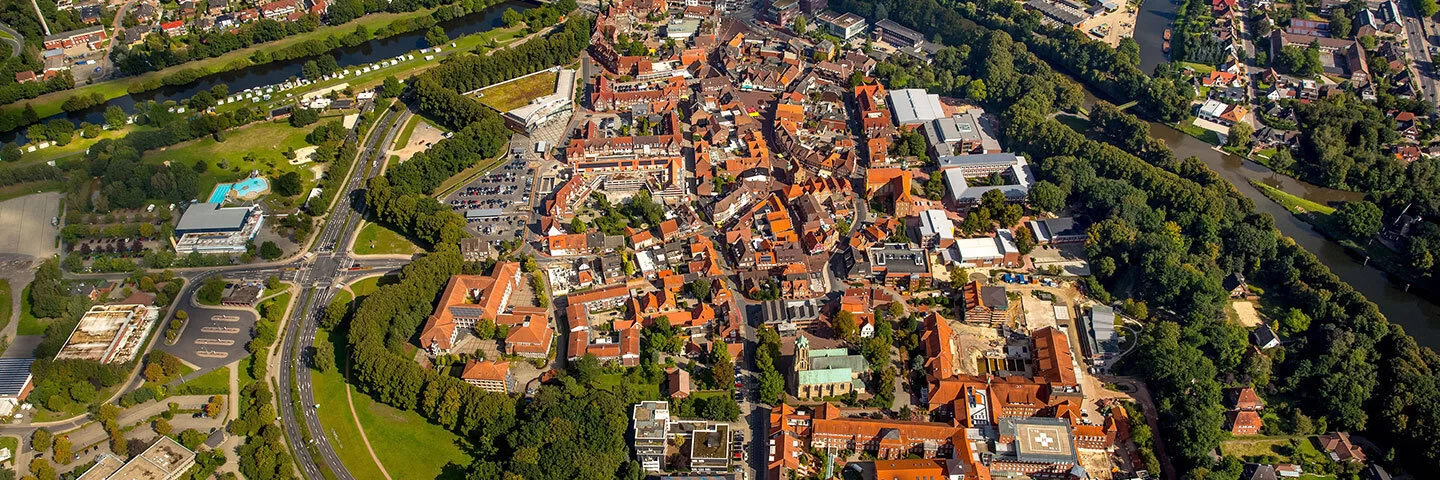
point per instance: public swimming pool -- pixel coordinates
(251, 187)
(247, 189)
(221, 190)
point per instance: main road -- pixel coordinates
(322, 275)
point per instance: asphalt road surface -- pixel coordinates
(326, 271)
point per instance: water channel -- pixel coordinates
(1420, 316)
(277, 72)
(1155, 16)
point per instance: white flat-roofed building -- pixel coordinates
(914, 106)
(109, 333)
(995, 251)
(1014, 171)
(936, 229)
(166, 459)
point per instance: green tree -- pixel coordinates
(392, 87)
(115, 117)
(799, 24)
(270, 251)
(976, 90)
(1360, 219)
(1239, 136)
(1046, 197)
(700, 288)
(511, 17)
(289, 184)
(210, 291)
(42, 440)
(162, 426)
(845, 326)
(11, 152)
(64, 450)
(323, 357)
(436, 36)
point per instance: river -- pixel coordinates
(1155, 16)
(1420, 317)
(277, 72)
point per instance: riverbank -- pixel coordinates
(50, 104)
(1373, 253)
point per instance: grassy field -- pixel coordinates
(77, 146)
(336, 416)
(375, 239)
(518, 93)
(12, 443)
(1294, 204)
(367, 286)
(214, 382)
(1255, 448)
(610, 381)
(502, 36)
(29, 325)
(404, 138)
(405, 442)
(263, 142)
(49, 104)
(1203, 135)
(6, 303)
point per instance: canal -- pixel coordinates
(277, 72)
(1419, 316)
(1155, 16)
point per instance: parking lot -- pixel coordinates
(213, 336)
(497, 205)
(30, 225)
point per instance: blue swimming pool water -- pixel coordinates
(251, 185)
(221, 190)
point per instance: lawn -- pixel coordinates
(5, 303)
(1193, 130)
(336, 417)
(263, 143)
(375, 239)
(244, 366)
(214, 382)
(77, 145)
(611, 381)
(1254, 448)
(518, 93)
(404, 69)
(1200, 68)
(29, 325)
(405, 442)
(1294, 204)
(1075, 122)
(49, 104)
(404, 138)
(12, 443)
(367, 286)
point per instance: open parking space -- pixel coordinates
(30, 224)
(213, 336)
(496, 206)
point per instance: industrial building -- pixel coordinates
(109, 333)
